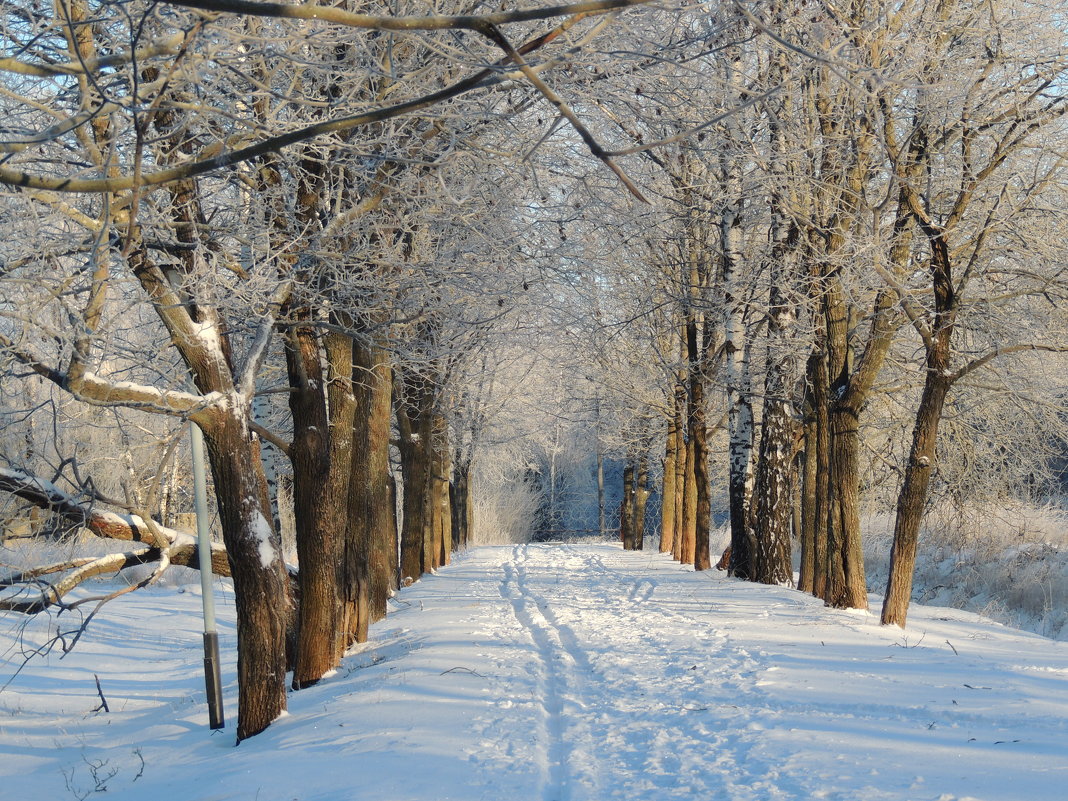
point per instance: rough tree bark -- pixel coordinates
(371, 469)
(413, 398)
(667, 491)
(626, 507)
(937, 382)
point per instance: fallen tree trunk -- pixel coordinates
(34, 593)
(38, 588)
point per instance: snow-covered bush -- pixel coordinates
(1008, 561)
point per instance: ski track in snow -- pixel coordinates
(562, 673)
(562, 666)
(603, 639)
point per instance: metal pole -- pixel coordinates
(212, 681)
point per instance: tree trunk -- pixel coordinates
(822, 466)
(772, 496)
(680, 466)
(773, 499)
(913, 495)
(740, 421)
(806, 579)
(699, 436)
(626, 507)
(849, 589)
(688, 532)
(263, 600)
(261, 583)
(415, 476)
(318, 507)
(268, 455)
(641, 499)
(372, 477)
(667, 491)
(740, 425)
(356, 617)
(462, 508)
(441, 469)
(602, 523)
(413, 419)
(936, 385)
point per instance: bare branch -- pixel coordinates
(99, 391)
(246, 376)
(228, 158)
(494, 34)
(109, 525)
(986, 358)
(47, 594)
(269, 436)
(165, 47)
(339, 16)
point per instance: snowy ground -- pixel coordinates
(559, 673)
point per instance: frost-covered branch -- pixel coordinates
(986, 358)
(108, 525)
(99, 391)
(233, 153)
(246, 376)
(436, 22)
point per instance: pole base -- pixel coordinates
(212, 680)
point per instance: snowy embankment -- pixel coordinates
(1007, 562)
(561, 673)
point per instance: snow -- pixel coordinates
(208, 334)
(1008, 563)
(108, 390)
(45, 487)
(261, 529)
(559, 673)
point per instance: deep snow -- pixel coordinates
(557, 673)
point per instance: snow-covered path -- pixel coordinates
(565, 673)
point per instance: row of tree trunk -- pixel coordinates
(828, 318)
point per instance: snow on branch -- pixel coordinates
(99, 391)
(31, 591)
(246, 375)
(178, 546)
(984, 360)
(169, 46)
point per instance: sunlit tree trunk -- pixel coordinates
(937, 382)
(441, 471)
(699, 438)
(261, 584)
(773, 492)
(808, 533)
(739, 417)
(822, 426)
(319, 530)
(373, 419)
(681, 465)
(667, 492)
